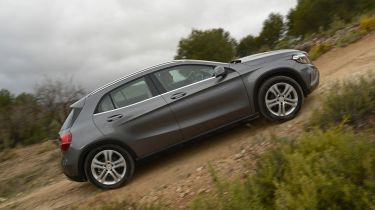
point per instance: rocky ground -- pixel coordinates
(31, 178)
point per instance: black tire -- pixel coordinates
(265, 87)
(128, 172)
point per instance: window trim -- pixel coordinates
(99, 113)
(189, 85)
(149, 83)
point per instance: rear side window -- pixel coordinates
(71, 118)
(131, 93)
(106, 104)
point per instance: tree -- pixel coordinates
(309, 16)
(272, 31)
(248, 45)
(30, 118)
(214, 44)
(56, 96)
(6, 99)
(26, 121)
(6, 104)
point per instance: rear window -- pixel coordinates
(71, 118)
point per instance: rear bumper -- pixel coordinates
(76, 178)
(70, 166)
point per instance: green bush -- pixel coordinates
(367, 23)
(350, 101)
(319, 49)
(334, 169)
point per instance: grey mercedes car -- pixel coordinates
(154, 109)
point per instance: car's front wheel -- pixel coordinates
(109, 166)
(280, 98)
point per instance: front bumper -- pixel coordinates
(314, 78)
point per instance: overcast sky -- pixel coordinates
(97, 41)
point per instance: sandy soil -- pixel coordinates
(175, 177)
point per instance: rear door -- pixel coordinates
(200, 101)
(137, 115)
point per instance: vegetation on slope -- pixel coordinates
(352, 101)
(332, 168)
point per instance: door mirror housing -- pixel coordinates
(220, 71)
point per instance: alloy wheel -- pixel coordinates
(108, 167)
(281, 99)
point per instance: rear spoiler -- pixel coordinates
(79, 103)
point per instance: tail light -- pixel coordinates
(65, 141)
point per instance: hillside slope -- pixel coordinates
(35, 181)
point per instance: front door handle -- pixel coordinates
(114, 117)
(178, 95)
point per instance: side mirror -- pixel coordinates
(220, 71)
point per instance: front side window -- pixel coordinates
(179, 76)
(131, 93)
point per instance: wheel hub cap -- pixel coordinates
(108, 167)
(281, 99)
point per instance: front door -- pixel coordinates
(200, 101)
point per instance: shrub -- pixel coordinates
(319, 49)
(351, 37)
(286, 43)
(367, 23)
(350, 101)
(7, 154)
(336, 25)
(334, 169)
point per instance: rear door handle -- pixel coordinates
(178, 95)
(114, 117)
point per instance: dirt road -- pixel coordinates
(177, 176)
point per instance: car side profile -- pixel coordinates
(154, 109)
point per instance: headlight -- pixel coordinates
(301, 58)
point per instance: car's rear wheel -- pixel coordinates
(109, 166)
(280, 98)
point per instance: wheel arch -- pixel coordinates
(90, 147)
(288, 72)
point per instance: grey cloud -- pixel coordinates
(98, 41)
